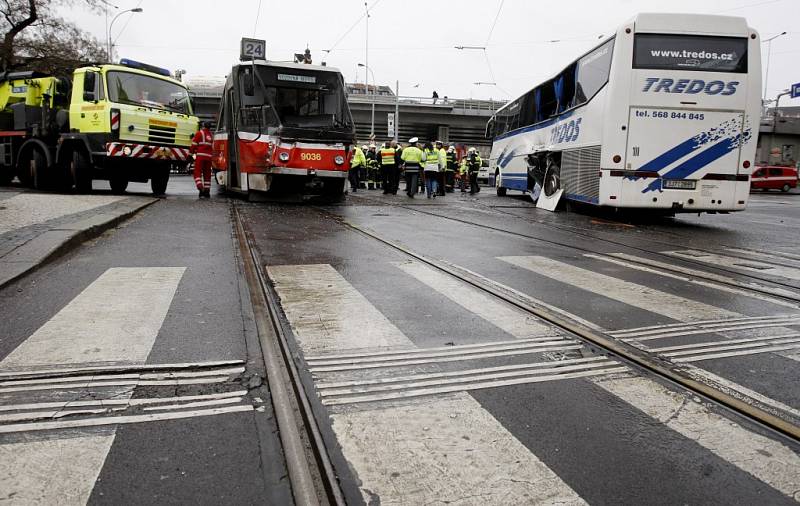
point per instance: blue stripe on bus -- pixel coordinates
(700, 160)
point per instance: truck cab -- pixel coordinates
(120, 122)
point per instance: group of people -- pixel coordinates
(432, 168)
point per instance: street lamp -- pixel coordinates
(372, 121)
(769, 50)
(108, 35)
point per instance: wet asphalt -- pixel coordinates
(604, 449)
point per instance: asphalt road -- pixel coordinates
(426, 390)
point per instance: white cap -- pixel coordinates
(413, 140)
(451, 148)
(371, 146)
(471, 150)
(364, 147)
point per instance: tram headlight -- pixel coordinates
(339, 160)
(284, 156)
(126, 151)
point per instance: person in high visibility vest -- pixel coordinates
(463, 174)
(434, 162)
(440, 180)
(363, 171)
(357, 162)
(412, 163)
(388, 167)
(450, 170)
(202, 150)
(473, 166)
(373, 165)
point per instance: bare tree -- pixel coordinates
(36, 38)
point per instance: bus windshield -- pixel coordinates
(138, 89)
(690, 52)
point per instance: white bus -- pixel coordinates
(664, 115)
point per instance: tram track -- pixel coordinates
(310, 470)
(739, 403)
(776, 290)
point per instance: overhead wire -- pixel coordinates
(352, 27)
(258, 14)
(126, 21)
(486, 54)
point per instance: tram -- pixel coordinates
(283, 128)
(663, 115)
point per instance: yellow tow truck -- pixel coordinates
(119, 122)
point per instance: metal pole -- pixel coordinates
(766, 79)
(366, 75)
(396, 110)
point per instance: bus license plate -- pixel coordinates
(679, 184)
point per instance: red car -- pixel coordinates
(773, 177)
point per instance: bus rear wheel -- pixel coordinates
(501, 190)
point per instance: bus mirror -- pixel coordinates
(88, 96)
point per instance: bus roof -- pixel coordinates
(696, 24)
(657, 22)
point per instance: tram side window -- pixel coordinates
(592, 72)
(222, 115)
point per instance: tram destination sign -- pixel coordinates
(297, 79)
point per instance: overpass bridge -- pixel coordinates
(460, 121)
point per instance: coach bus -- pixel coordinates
(663, 114)
(283, 128)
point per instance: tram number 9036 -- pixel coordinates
(315, 157)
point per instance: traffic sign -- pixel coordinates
(795, 90)
(390, 124)
(253, 49)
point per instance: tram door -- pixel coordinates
(234, 175)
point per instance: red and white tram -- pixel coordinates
(283, 128)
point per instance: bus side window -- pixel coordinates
(592, 72)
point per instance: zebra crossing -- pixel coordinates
(66, 389)
(398, 411)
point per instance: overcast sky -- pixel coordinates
(413, 40)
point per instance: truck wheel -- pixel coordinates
(81, 171)
(159, 181)
(38, 169)
(6, 175)
(785, 188)
(118, 184)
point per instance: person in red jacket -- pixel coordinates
(201, 148)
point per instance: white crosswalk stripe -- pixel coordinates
(404, 460)
(632, 294)
(86, 350)
(741, 264)
(440, 420)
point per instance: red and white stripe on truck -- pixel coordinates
(146, 151)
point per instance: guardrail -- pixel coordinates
(488, 106)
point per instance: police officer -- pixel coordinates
(412, 164)
(202, 150)
(434, 162)
(463, 174)
(388, 167)
(357, 162)
(473, 166)
(450, 169)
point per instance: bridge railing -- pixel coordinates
(456, 104)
